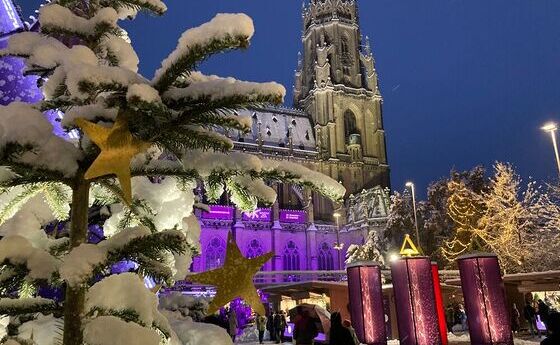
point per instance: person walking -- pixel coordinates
(529, 313)
(270, 326)
(515, 324)
(232, 322)
(543, 310)
(261, 327)
(339, 334)
(553, 337)
(305, 329)
(279, 326)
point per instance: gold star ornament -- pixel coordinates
(234, 279)
(118, 147)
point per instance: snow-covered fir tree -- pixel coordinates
(519, 225)
(369, 251)
(465, 208)
(89, 70)
(400, 220)
(503, 225)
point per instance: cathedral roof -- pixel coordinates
(276, 125)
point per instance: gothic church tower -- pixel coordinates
(336, 85)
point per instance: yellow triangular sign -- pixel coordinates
(408, 248)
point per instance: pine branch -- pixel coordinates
(158, 9)
(188, 138)
(196, 55)
(15, 307)
(11, 207)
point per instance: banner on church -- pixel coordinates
(258, 215)
(219, 212)
(292, 216)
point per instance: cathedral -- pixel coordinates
(335, 127)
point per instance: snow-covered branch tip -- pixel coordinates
(223, 32)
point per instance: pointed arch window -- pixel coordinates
(215, 253)
(291, 260)
(350, 126)
(326, 259)
(255, 249)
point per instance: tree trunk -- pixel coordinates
(75, 297)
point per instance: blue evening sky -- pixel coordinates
(465, 82)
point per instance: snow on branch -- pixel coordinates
(18, 306)
(142, 93)
(212, 88)
(91, 112)
(224, 31)
(301, 175)
(87, 259)
(120, 52)
(84, 81)
(16, 250)
(110, 330)
(59, 19)
(125, 292)
(209, 164)
(37, 146)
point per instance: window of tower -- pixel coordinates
(350, 125)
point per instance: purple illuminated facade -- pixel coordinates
(13, 85)
(485, 300)
(366, 302)
(415, 302)
(298, 244)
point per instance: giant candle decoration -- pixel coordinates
(366, 302)
(415, 301)
(485, 300)
(439, 304)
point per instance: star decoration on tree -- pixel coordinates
(234, 279)
(118, 147)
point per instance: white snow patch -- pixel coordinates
(44, 330)
(54, 16)
(90, 113)
(110, 330)
(169, 204)
(19, 251)
(122, 50)
(214, 88)
(124, 292)
(80, 262)
(23, 124)
(143, 92)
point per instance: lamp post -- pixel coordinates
(551, 128)
(338, 246)
(411, 186)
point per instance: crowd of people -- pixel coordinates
(305, 328)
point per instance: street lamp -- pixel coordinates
(338, 246)
(411, 186)
(551, 128)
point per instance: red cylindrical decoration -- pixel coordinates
(415, 301)
(366, 302)
(439, 304)
(485, 300)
